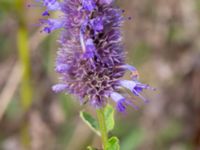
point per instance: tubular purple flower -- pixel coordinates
(52, 24)
(91, 57)
(121, 102)
(136, 88)
(129, 67)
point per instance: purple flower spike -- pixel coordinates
(91, 57)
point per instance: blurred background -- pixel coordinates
(162, 40)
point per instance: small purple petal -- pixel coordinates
(128, 84)
(135, 87)
(106, 1)
(52, 24)
(119, 99)
(120, 106)
(116, 96)
(45, 13)
(62, 68)
(134, 72)
(88, 5)
(47, 29)
(90, 49)
(51, 5)
(59, 88)
(122, 103)
(128, 67)
(97, 24)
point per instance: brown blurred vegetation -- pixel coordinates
(162, 40)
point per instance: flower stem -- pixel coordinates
(26, 90)
(102, 126)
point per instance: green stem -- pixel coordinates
(102, 126)
(26, 89)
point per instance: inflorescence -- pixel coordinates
(91, 57)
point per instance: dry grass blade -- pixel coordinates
(10, 88)
(16, 75)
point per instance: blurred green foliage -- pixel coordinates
(141, 53)
(133, 140)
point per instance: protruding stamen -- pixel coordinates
(140, 96)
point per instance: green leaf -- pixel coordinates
(109, 117)
(90, 121)
(113, 144)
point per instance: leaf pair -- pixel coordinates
(113, 142)
(93, 123)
